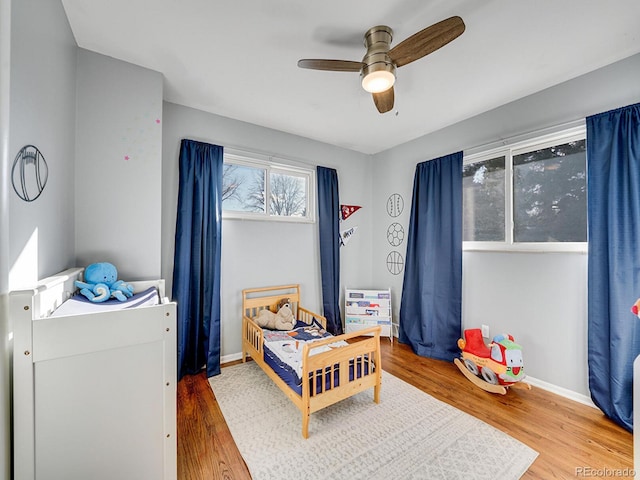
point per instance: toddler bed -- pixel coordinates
(94, 385)
(314, 369)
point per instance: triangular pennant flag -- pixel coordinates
(346, 235)
(347, 210)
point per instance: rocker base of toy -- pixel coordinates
(486, 386)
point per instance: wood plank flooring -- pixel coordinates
(573, 440)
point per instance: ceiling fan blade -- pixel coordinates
(384, 100)
(333, 65)
(427, 41)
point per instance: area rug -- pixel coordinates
(408, 435)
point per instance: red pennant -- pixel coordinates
(347, 210)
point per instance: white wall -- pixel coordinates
(539, 298)
(119, 166)
(262, 253)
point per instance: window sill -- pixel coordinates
(564, 247)
(266, 218)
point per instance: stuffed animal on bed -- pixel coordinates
(101, 284)
(283, 320)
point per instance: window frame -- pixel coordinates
(509, 150)
(271, 165)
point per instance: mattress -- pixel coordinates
(78, 304)
(283, 353)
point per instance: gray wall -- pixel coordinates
(260, 253)
(5, 352)
(37, 106)
(43, 63)
(119, 166)
(539, 298)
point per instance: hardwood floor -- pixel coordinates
(573, 440)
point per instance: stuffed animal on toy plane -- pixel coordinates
(100, 283)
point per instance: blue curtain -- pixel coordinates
(613, 166)
(430, 308)
(329, 228)
(198, 246)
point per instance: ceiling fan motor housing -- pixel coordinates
(378, 41)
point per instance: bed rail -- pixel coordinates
(252, 336)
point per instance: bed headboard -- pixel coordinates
(256, 299)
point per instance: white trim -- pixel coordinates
(550, 140)
(230, 358)
(509, 148)
(523, 138)
(267, 158)
(563, 392)
(270, 165)
(534, 382)
(537, 247)
(524, 145)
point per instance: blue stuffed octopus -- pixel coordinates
(101, 283)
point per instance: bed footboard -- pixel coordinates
(333, 375)
(341, 372)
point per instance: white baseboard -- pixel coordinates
(230, 358)
(535, 382)
(563, 392)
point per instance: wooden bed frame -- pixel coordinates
(365, 351)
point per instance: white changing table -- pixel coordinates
(94, 395)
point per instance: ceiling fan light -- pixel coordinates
(378, 81)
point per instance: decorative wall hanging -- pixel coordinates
(395, 234)
(29, 173)
(346, 235)
(395, 205)
(395, 262)
(347, 210)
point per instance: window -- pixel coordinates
(483, 194)
(253, 188)
(530, 196)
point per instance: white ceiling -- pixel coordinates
(237, 58)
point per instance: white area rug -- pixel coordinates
(408, 435)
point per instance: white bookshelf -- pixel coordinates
(367, 308)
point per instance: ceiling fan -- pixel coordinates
(378, 66)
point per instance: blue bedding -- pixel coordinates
(283, 353)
